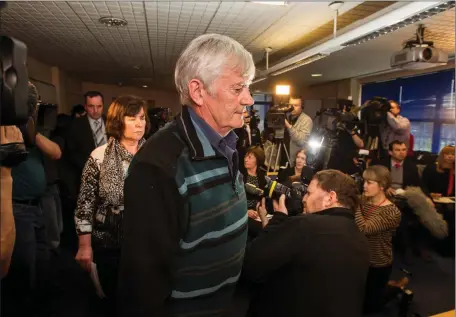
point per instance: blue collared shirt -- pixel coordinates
(226, 146)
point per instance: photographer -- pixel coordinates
(343, 156)
(299, 125)
(299, 259)
(396, 127)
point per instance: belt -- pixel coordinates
(28, 202)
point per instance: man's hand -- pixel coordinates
(262, 212)
(10, 134)
(287, 124)
(391, 192)
(280, 206)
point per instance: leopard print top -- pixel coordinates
(99, 208)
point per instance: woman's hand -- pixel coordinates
(252, 214)
(85, 257)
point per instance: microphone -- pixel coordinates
(253, 190)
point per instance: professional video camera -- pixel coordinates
(373, 113)
(273, 190)
(330, 124)
(275, 129)
(14, 95)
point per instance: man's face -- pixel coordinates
(399, 152)
(94, 107)
(395, 110)
(246, 116)
(223, 108)
(297, 106)
(317, 199)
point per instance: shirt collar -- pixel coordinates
(210, 139)
(394, 162)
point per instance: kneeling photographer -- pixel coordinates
(313, 264)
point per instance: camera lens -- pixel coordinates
(427, 54)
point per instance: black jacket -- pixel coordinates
(410, 177)
(311, 265)
(79, 143)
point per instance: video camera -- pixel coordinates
(273, 190)
(276, 116)
(374, 111)
(14, 108)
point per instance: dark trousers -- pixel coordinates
(27, 281)
(378, 293)
(107, 262)
(52, 209)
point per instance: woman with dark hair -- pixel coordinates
(378, 218)
(438, 178)
(99, 210)
(254, 174)
(300, 171)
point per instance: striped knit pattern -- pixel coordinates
(379, 224)
(211, 252)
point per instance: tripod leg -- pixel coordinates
(288, 156)
(278, 156)
(269, 160)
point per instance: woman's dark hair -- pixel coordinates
(124, 106)
(258, 152)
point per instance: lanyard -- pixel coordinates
(375, 207)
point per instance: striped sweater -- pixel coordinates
(185, 227)
(379, 224)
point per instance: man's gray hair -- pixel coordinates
(206, 57)
(32, 98)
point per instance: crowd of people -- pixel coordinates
(166, 224)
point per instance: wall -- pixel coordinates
(166, 99)
(58, 86)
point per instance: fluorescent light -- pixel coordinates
(144, 86)
(302, 62)
(317, 75)
(444, 6)
(365, 26)
(282, 90)
(257, 80)
(273, 3)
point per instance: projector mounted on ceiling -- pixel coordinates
(419, 54)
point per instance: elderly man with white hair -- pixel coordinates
(185, 219)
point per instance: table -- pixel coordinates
(450, 313)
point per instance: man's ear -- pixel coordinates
(195, 91)
(390, 153)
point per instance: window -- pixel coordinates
(422, 135)
(446, 135)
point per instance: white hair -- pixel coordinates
(206, 57)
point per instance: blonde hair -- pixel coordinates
(440, 163)
(379, 174)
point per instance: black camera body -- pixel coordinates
(276, 116)
(375, 110)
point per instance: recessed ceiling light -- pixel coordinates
(144, 86)
(317, 75)
(111, 21)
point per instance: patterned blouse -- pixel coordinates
(100, 202)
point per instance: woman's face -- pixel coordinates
(301, 160)
(372, 188)
(448, 158)
(250, 161)
(135, 126)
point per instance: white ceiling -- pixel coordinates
(370, 57)
(68, 34)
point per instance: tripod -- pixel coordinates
(276, 151)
